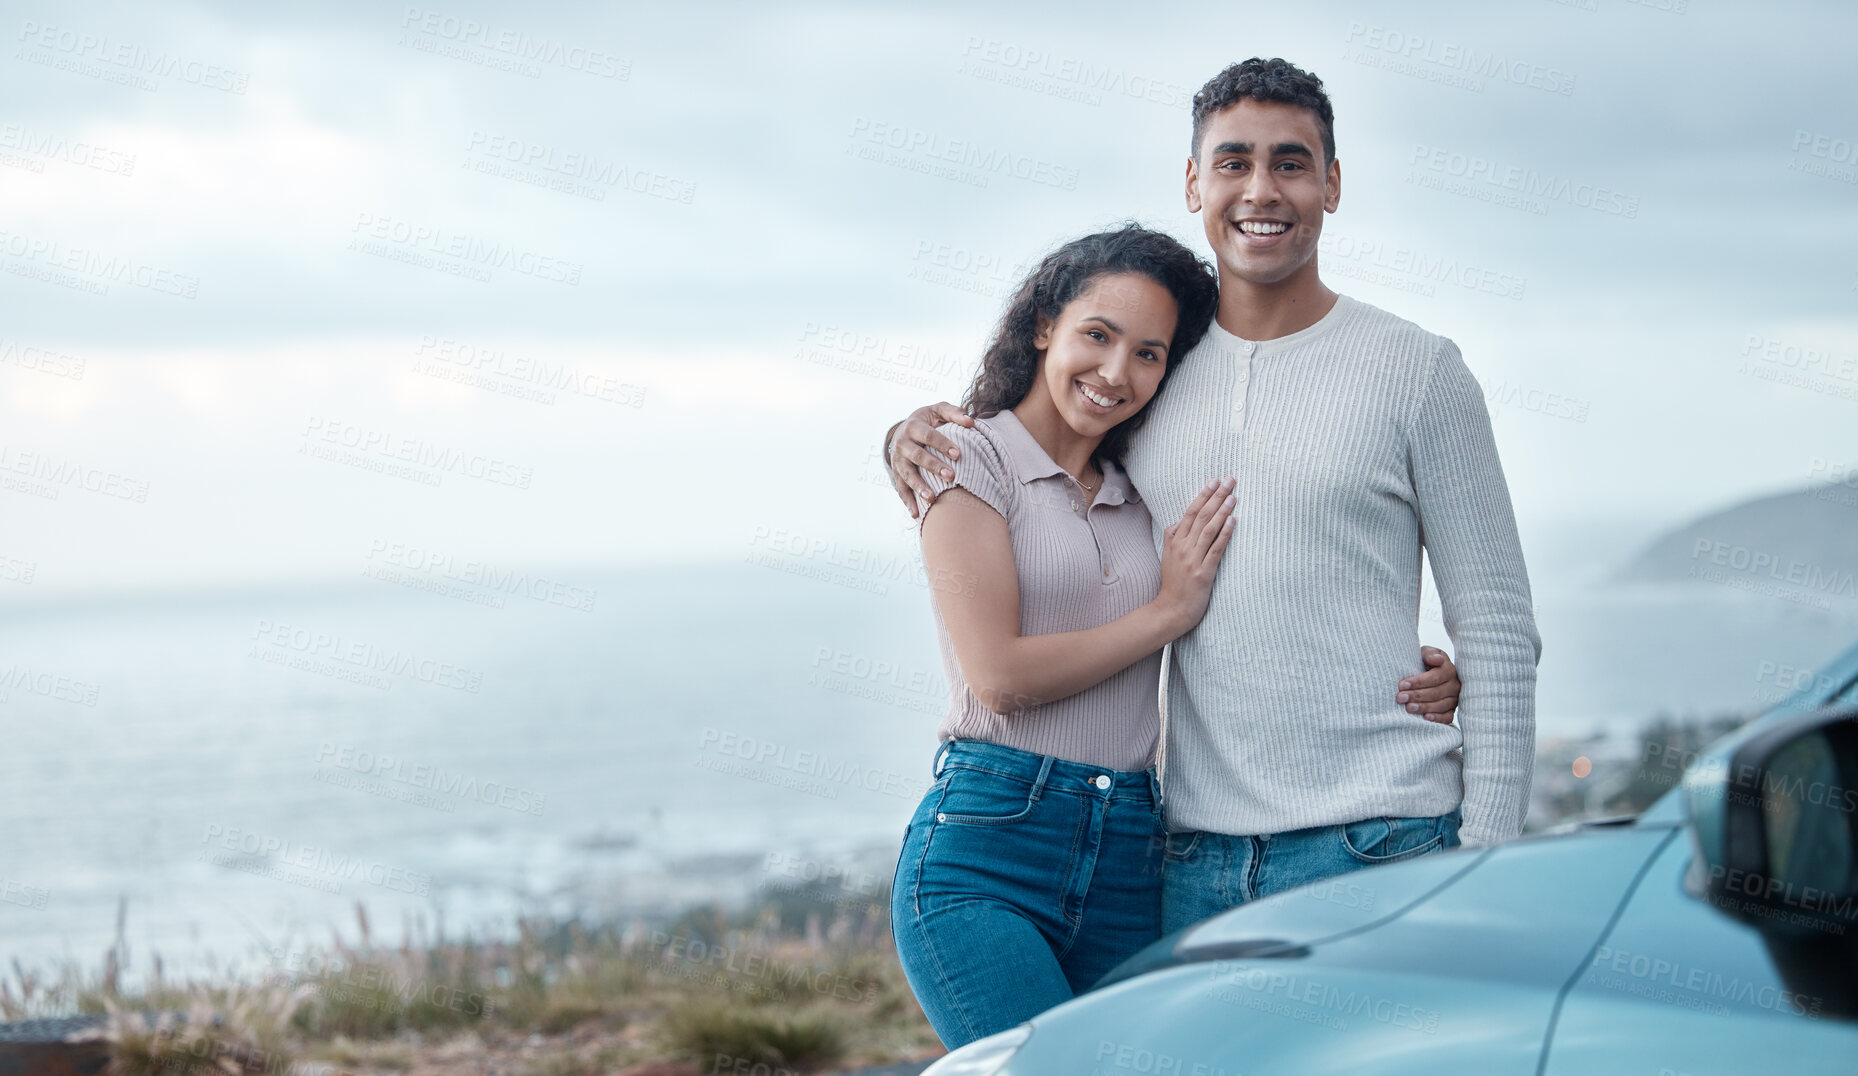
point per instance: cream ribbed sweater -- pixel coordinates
(1354, 443)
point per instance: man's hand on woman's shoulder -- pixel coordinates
(914, 445)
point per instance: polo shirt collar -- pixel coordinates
(1031, 462)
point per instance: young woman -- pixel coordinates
(1032, 866)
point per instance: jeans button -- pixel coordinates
(941, 817)
(1103, 780)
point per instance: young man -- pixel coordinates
(1356, 439)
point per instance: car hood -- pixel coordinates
(1526, 899)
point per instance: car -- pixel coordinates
(1716, 932)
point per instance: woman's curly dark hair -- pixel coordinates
(1011, 362)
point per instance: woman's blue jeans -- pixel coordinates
(1023, 879)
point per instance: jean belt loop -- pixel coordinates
(941, 756)
(1038, 784)
(1154, 791)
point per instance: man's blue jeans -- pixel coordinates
(1206, 873)
(1023, 879)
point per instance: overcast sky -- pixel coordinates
(240, 241)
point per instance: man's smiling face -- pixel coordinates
(1262, 187)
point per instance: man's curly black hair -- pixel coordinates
(1274, 80)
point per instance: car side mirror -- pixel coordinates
(1774, 817)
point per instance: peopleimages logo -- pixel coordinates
(51, 685)
(26, 896)
(430, 777)
(1069, 76)
(527, 371)
(97, 268)
(1468, 59)
(808, 763)
(83, 154)
(1833, 582)
(1538, 401)
(322, 437)
(1387, 263)
(577, 165)
(41, 360)
(1481, 177)
(430, 563)
(1689, 986)
(904, 362)
(420, 243)
(130, 57)
(286, 639)
(441, 26)
(56, 473)
(930, 148)
(268, 854)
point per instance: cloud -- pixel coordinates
(386, 176)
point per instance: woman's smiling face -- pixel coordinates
(1104, 355)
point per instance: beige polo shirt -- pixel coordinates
(1082, 563)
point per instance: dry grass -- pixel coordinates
(231, 1029)
(800, 984)
(705, 1031)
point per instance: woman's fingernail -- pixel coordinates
(946, 473)
(1400, 697)
(1412, 707)
(1404, 684)
(954, 453)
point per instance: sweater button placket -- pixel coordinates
(1242, 386)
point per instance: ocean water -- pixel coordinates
(245, 768)
(245, 777)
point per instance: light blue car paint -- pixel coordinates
(1572, 953)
